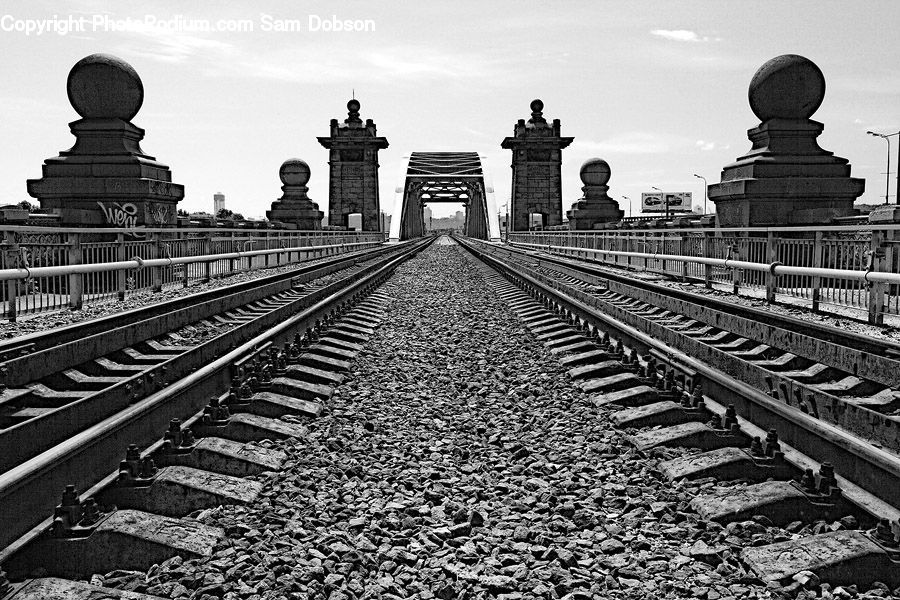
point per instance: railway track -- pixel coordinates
(735, 403)
(58, 382)
(128, 396)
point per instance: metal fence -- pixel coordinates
(31, 248)
(871, 249)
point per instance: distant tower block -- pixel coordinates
(595, 207)
(353, 158)
(786, 178)
(105, 178)
(218, 202)
(537, 169)
(294, 208)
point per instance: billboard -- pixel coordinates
(655, 202)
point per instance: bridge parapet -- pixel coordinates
(747, 259)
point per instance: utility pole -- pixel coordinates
(887, 175)
(705, 191)
(665, 200)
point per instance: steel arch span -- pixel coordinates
(445, 177)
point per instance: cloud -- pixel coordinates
(682, 35)
(176, 48)
(406, 63)
(635, 142)
(706, 146)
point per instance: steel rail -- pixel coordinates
(90, 455)
(872, 474)
(30, 437)
(827, 333)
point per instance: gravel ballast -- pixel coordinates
(458, 461)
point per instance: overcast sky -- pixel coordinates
(658, 89)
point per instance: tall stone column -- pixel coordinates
(353, 161)
(595, 207)
(105, 178)
(537, 169)
(785, 178)
(294, 208)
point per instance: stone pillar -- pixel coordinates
(294, 208)
(105, 178)
(353, 160)
(537, 169)
(785, 178)
(595, 206)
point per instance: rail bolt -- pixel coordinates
(697, 395)
(827, 480)
(68, 513)
(173, 434)
(91, 512)
(730, 416)
(772, 445)
(756, 448)
(808, 482)
(884, 533)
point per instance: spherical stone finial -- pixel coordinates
(595, 171)
(787, 87)
(353, 105)
(294, 172)
(537, 105)
(105, 86)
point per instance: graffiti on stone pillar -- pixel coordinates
(160, 214)
(120, 215)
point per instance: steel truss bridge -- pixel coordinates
(445, 177)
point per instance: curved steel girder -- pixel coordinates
(444, 177)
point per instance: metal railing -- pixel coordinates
(836, 266)
(48, 268)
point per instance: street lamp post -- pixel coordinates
(665, 200)
(705, 191)
(887, 176)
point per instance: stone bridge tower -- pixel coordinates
(537, 169)
(353, 160)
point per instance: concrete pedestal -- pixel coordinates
(786, 178)
(294, 208)
(105, 178)
(596, 207)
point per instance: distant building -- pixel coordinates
(427, 214)
(218, 202)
